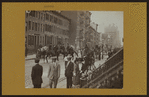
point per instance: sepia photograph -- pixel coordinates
(74, 49)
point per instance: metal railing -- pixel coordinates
(111, 65)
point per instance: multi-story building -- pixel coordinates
(91, 37)
(95, 36)
(98, 38)
(113, 38)
(80, 21)
(46, 28)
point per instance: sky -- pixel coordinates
(104, 18)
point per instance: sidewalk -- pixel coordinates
(30, 57)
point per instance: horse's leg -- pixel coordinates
(46, 58)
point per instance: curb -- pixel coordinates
(30, 59)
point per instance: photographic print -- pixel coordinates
(74, 49)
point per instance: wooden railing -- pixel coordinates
(111, 66)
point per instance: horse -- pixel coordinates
(41, 53)
(63, 51)
(45, 53)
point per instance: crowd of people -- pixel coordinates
(72, 73)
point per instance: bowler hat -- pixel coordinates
(37, 60)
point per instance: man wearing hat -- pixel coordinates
(54, 72)
(69, 71)
(36, 74)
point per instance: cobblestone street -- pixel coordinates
(62, 82)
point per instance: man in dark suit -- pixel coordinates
(36, 74)
(69, 71)
(54, 73)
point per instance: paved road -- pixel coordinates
(62, 83)
(30, 63)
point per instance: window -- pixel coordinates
(55, 20)
(47, 16)
(53, 29)
(29, 25)
(41, 27)
(44, 16)
(51, 18)
(32, 13)
(45, 27)
(30, 40)
(38, 27)
(35, 26)
(50, 28)
(39, 15)
(26, 26)
(40, 39)
(32, 25)
(36, 14)
(43, 40)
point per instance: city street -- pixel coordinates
(29, 63)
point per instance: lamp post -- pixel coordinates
(102, 46)
(108, 41)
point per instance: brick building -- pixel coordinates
(80, 21)
(46, 28)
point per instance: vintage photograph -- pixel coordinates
(74, 49)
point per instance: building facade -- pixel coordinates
(80, 21)
(113, 38)
(46, 28)
(94, 37)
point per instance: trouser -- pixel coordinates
(99, 56)
(57, 57)
(37, 85)
(53, 81)
(69, 82)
